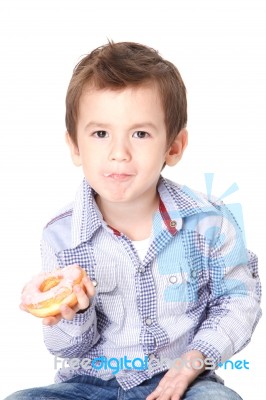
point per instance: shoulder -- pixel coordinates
(57, 232)
(188, 200)
(74, 223)
(202, 212)
(60, 217)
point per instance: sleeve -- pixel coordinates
(234, 294)
(68, 339)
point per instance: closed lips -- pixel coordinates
(117, 174)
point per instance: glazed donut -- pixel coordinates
(45, 293)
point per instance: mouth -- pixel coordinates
(118, 177)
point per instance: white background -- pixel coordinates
(219, 48)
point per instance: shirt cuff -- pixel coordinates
(213, 346)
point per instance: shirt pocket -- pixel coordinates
(109, 298)
(183, 287)
(175, 287)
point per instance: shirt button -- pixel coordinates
(141, 270)
(151, 357)
(194, 273)
(173, 279)
(148, 321)
(173, 224)
(94, 282)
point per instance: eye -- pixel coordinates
(140, 134)
(100, 134)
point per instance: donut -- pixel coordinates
(44, 294)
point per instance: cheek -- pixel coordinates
(87, 153)
(153, 165)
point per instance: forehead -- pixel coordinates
(141, 99)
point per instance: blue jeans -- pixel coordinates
(90, 388)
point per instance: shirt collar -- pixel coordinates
(177, 202)
(181, 200)
(86, 218)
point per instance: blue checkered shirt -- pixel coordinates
(196, 288)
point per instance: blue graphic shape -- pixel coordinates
(235, 288)
(171, 260)
(208, 183)
(177, 293)
(232, 189)
(236, 210)
(175, 261)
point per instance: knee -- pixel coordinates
(207, 390)
(21, 395)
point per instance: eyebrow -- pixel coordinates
(94, 124)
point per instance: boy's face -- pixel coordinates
(122, 145)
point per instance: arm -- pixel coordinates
(234, 294)
(233, 310)
(73, 332)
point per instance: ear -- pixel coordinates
(74, 151)
(177, 148)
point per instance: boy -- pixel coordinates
(170, 284)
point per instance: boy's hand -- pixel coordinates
(83, 297)
(176, 381)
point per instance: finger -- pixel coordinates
(82, 297)
(169, 388)
(67, 312)
(159, 389)
(155, 394)
(51, 320)
(168, 393)
(173, 390)
(23, 308)
(152, 396)
(176, 396)
(88, 286)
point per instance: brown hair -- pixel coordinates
(118, 65)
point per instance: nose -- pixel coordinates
(119, 150)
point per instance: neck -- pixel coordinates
(133, 219)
